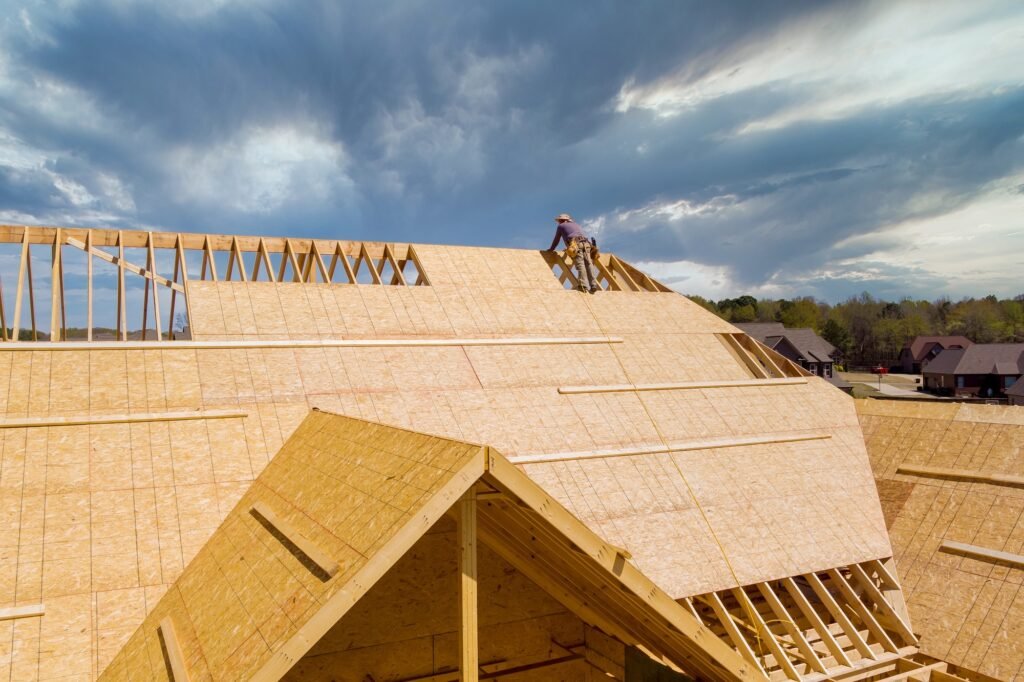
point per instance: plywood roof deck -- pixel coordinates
(364, 493)
(102, 515)
(947, 474)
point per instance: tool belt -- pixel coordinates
(574, 245)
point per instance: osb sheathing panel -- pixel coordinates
(969, 612)
(360, 484)
(407, 624)
(161, 488)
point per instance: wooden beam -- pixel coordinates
(469, 649)
(342, 257)
(262, 258)
(422, 278)
(616, 267)
(876, 596)
(364, 258)
(288, 259)
(605, 273)
(139, 417)
(767, 636)
(55, 288)
(983, 554)
(175, 657)
(580, 584)
(680, 446)
(321, 266)
(122, 304)
(123, 265)
(88, 287)
(744, 356)
(739, 641)
(682, 385)
(32, 301)
(852, 600)
(179, 247)
(839, 615)
(174, 294)
(809, 612)
(702, 651)
(145, 309)
(236, 255)
(3, 314)
(322, 559)
(21, 281)
(63, 301)
(208, 260)
(323, 343)
(498, 539)
(758, 351)
(962, 475)
(398, 277)
(795, 634)
(17, 612)
(885, 569)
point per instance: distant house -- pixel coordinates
(801, 345)
(923, 349)
(985, 370)
(1015, 393)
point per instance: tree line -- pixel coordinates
(871, 331)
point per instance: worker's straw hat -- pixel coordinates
(563, 216)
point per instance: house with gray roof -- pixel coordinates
(985, 370)
(799, 344)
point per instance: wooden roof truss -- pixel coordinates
(848, 623)
(761, 361)
(613, 274)
(214, 258)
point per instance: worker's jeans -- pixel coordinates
(585, 266)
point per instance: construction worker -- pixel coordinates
(578, 247)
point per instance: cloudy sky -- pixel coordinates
(773, 148)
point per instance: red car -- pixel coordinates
(878, 369)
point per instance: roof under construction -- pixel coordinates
(722, 494)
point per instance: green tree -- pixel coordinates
(836, 334)
(744, 313)
(801, 312)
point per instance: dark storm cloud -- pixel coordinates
(816, 184)
(163, 78)
(474, 123)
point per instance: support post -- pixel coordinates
(469, 656)
(55, 288)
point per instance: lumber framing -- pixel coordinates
(322, 343)
(992, 556)
(853, 601)
(175, 657)
(683, 385)
(765, 634)
(303, 257)
(327, 564)
(971, 475)
(282, 259)
(681, 446)
(137, 418)
(469, 651)
(796, 621)
(819, 626)
(18, 612)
